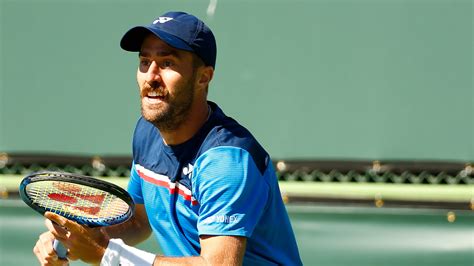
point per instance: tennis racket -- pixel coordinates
(83, 199)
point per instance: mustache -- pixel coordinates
(151, 86)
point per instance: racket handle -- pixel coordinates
(61, 251)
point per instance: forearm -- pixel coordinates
(119, 253)
(170, 261)
(132, 234)
(134, 231)
(218, 250)
(215, 250)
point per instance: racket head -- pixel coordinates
(83, 199)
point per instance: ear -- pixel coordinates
(205, 74)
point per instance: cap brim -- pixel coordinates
(133, 39)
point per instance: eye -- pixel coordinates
(166, 63)
(145, 62)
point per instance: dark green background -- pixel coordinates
(389, 79)
(329, 236)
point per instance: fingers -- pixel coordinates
(58, 231)
(64, 222)
(87, 244)
(44, 251)
(44, 247)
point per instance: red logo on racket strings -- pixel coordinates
(73, 190)
(85, 209)
(62, 198)
(71, 200)
(97, 199)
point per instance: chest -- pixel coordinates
(167, 189)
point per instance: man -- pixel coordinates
(201, 182)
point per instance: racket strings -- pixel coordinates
(74, 200)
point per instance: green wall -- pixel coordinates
(387, 79)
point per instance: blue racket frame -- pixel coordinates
(108, 187)
(81, 180)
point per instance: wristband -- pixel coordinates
(119, 253)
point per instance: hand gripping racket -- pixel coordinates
(83, 199)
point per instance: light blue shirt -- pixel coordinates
(220, 182)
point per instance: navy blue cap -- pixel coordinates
(179, 30)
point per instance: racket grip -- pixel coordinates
(61, 251)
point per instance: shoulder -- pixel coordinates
(143, 131)
(145, 137)
(227, 135)
(142, 127)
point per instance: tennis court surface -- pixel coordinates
(327, 235)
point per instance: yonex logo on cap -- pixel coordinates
(162, 20)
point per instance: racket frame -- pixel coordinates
(80, 180)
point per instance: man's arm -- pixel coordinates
(85, 243)
(135, 230)
(215, 250)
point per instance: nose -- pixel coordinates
(153, 73)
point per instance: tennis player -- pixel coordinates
(202, 183)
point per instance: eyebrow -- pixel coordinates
(160, 52)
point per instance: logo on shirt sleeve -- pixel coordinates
(227, 219)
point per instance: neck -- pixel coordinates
(196, 118)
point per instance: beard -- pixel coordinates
(171, 113)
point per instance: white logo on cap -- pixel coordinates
(162, 20)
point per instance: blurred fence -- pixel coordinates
(445, 185)
(398, 172)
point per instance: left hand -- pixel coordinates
(82, 242)
(44, 252)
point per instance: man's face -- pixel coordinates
(166, 80)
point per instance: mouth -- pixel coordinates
(154, 97)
